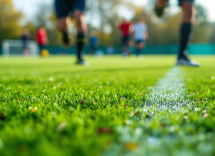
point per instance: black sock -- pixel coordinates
(65, 37)
(80, 45)
(185, 34)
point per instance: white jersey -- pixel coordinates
(139, 31)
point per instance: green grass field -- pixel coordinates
(49, 106)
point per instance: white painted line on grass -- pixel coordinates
(168, 93)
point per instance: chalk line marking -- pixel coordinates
(168, 93)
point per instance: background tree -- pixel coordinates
(46, 17)
(9, 21)
(106, 15)
(202, 29)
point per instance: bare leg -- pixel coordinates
(139, 47)
(80, 21)
(63, 23)
(189, 13)
(124, 50)
(161, 3)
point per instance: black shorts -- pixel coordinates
(125, 40)
(189, 1)
(65, 7)
(140, 41)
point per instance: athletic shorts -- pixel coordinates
(189, 1)
(140, 41)
(65, 7)
(125, 40)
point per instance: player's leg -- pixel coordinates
(188, 19)
(160, 6)
(24, 47)
(41, 47)
(62, 10)
(139, 46)
(62, 25)
(124, 46)
(143, 45)
(92, 49)
(81, 34)
(128, 46)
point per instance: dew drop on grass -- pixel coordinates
(206, 115)
(138, 131)
(61, 126)
(53, 114)
(172, 129)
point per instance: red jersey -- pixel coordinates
(41, 36)
(125, 28)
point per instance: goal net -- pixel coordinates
(15, 48)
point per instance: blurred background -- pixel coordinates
(104, 17)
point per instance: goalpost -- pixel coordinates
(15, 48)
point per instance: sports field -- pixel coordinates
(114, 107)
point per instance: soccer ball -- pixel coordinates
(44, 53)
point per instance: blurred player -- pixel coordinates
(63, 10)
(42, 38)
(110, 50)
(188, 19)
(125, 28)
(25, 37)
(140, 35)
(93, 42)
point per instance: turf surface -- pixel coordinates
(52, 107)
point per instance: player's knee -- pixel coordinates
(62, 24)
(188, 10)
(80, 21)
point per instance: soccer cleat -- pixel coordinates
(187, 62)
(82, 62)
(159, 11)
